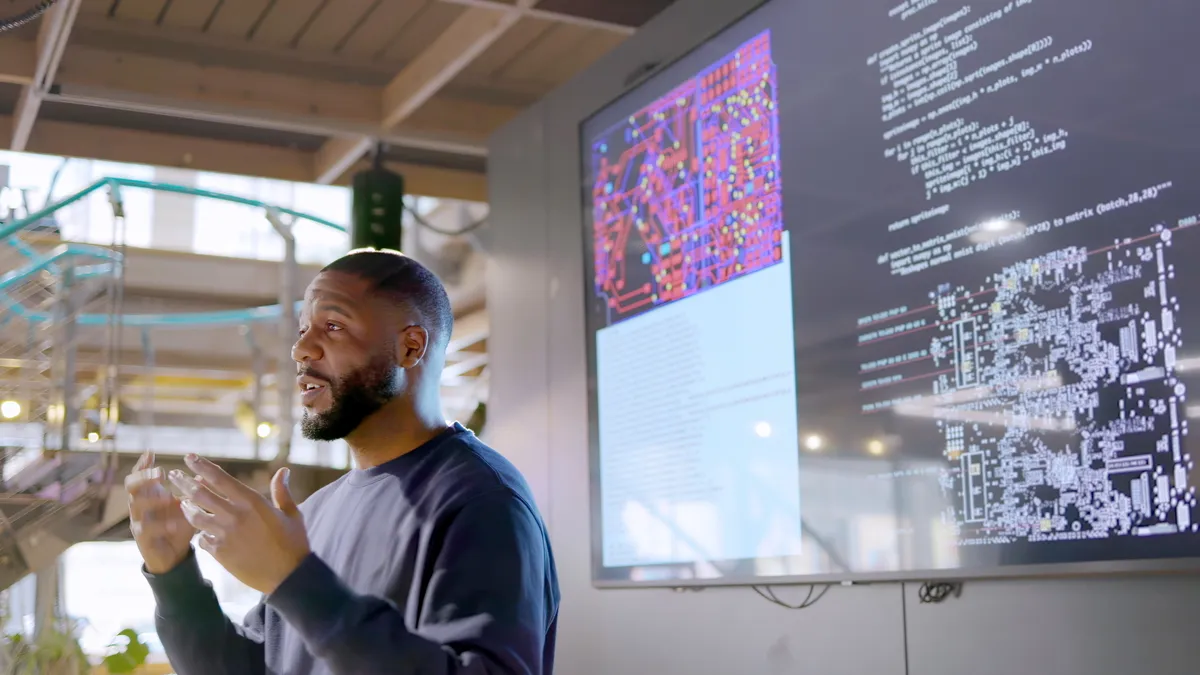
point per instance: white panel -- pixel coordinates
(516, 302)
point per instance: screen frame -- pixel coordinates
(1104, 568)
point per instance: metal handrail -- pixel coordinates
(217, 318)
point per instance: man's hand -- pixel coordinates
(162, 533)
(259, 542)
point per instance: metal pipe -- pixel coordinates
(146, 414)
(288, 326)
(256, 358)
(64, 355)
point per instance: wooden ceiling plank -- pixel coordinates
(618, 12)
(557, 44)
(337, 21)
(468, 37)
(215, 84)
(235, 18)
(232, 51)
(96, 7)
(190, 14)
(18, 60)
(447, 115)
(283, 23)
(435, 18)
(510, 46)
(386, 23)
(554, 17)
(144, 11)
(588, 51)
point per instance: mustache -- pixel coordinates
(313, 373)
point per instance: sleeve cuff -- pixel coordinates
(177, 591)
(314, 601)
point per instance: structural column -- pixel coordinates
(46, 598)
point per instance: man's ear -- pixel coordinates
(411, 346)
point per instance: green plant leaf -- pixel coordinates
(132, 653)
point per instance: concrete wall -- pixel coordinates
(537, 416)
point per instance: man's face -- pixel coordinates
(345, 355)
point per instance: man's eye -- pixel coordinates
(332, 326)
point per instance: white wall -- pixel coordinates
(537, 416)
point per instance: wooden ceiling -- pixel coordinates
(296, 89)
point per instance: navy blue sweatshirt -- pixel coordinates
(434, 563)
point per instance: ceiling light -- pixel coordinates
(10, 410)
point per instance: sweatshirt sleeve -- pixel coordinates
(197, 636)
(486, 607)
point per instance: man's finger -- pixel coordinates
(221, 482)
(144, 462)
(145, 494)
(199, 494)
(209, 543)
(199, 518)
(141, 478)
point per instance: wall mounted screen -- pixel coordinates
(899, 289)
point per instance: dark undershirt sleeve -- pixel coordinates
(485, 608)
(197, 636)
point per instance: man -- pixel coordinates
(429, 557)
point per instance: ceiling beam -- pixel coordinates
(53, 33)
(202, 110)
(204, 154)
(546, 15)
(337, 155)
(245, 87)
(470, 35)
(277, 101)
(144, 147)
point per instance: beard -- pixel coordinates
(355, 397)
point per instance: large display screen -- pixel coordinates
(896, 289)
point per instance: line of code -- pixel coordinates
(927, 89)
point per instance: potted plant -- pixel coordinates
(55, 651)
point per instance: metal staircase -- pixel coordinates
(61, 340)
(57, 386)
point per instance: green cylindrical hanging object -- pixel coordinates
(378, 209)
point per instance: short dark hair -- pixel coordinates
(406, 282)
